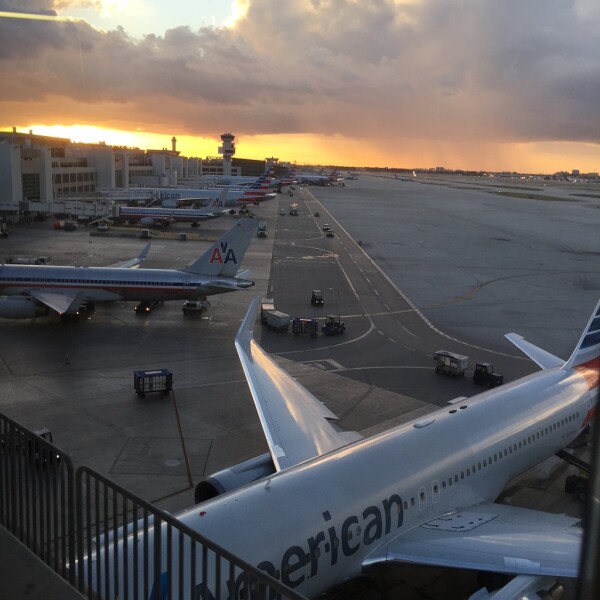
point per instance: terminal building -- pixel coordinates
(42, 175)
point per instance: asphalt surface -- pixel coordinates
(413, 267)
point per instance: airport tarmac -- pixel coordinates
(77, 378)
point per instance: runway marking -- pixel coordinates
(401, 293)
(407, 331)
(325, 365)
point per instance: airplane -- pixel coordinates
(316, 178)
(325, 506)
(164, 216)
(241, 180)
(33, 290)
(171, 198)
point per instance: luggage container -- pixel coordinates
(450, 363)
(266, 305)
(275, 319)
(309, 326)
(158, 380)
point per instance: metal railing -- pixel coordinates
(37, 495)
(106, 541)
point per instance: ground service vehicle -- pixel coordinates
(38, 453)
(333, 325)
(329, 233)
(326, 227)
(450, 363)
(26, 260)
(144, 308)
(195, 307)
(309, 326)
(103, 227)
(158, 380)
(294, 209)
(578, 486)
(275, 319)
(266, 305)
(484, 375)
(317, 298)
(262, 230)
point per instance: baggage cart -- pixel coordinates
(450, 363)
(157, 380)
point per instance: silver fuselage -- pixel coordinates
(101, 284)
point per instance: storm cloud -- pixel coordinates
(435, 70)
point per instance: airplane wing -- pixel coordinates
(61, 302)
(539, 356)
(133, 263)
(297, 425)
(492, 537)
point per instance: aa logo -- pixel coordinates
(216, 204)
(223, 255)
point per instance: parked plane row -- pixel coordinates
(325, 506)
(35, 290)
(177, 197)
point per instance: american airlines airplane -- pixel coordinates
(33, 290)
(165, 216)
(324, 505)
(171, 198)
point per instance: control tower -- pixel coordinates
(227, 150)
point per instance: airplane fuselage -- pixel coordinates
(105, 283)
(376, 488)
(322, 519)
(165, 214)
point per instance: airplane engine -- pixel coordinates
(234, 477)
(147, 221)
(21, 307)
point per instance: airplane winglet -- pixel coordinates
(134, 262)
(246, 330)
(297, 426)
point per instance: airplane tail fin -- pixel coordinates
(224, 257)
(587, 351)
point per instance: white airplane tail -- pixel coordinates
(224, 257)
(587, 351)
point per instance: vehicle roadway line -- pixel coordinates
(404, 296)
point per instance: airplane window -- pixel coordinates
(443, 485)
(485, 462)
(468, 472)
(412, 502)
(456, 478)
(405, 505)
(479, 466)
(462, 474)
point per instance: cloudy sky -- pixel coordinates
(475, 84)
